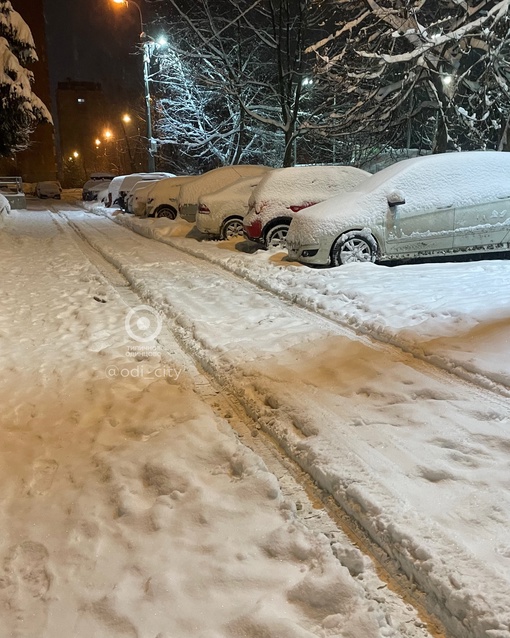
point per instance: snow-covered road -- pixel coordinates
(419, 457)
(129, 507)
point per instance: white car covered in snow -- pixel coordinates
(113, 190)
(426, 206)
(163, 199)
(221, 214)
(95, 184)
(284, 192)
(136, 200)
(210, 182)
(130, 181)
(51, 189)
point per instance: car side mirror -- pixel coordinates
(395, 198)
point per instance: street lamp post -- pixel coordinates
(146, 44)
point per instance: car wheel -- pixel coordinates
(166, 211)
(276, 237)
(232, 228)
(353, 248)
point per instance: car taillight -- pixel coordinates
(297, 208)
(202, 208)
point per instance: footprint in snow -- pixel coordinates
(43, 475)
(99, 300)
(24, 584)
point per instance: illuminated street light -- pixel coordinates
(76, 154)
(97, 142)
(126, 118)
(147, 46)
(108, 134)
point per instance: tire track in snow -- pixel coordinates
(386, 337)
(383, 585)
(446, 597)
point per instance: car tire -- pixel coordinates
(353, 248)
(276, 236)
(232, 228)
(166, 211)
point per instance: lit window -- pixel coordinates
(81, 100)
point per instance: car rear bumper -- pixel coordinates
(207, 224)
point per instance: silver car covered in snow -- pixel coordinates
(452, 203)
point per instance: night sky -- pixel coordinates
(94, 40)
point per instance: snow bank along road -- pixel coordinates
(128, 507)
(418, 457)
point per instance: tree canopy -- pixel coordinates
(20, 108)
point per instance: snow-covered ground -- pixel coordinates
(129, 507)
(417, 455)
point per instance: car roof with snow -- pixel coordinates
(238, 191)
(290, 185)
(217, 179)
(130, 180)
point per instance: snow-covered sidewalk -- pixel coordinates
(418, 457)
(129, 509)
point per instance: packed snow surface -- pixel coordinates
(129, 508)
(415, 454)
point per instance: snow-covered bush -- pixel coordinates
(5, 207)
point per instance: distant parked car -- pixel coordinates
(452, 203)
(163, 199)
(46, 190)
(95, 184)
(221, 214)
(210, 182)
(113, 191)
(131, 180)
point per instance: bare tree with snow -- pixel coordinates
(20, 108)
(415, 72)
(237, 80)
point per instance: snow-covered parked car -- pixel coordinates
(95, 184)
(426, 206)
(49, 189)
(136, 200)
(113, 190)
(284, 192)
(221, 214)
(130, 181)
(163, 199)
(210, 182)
